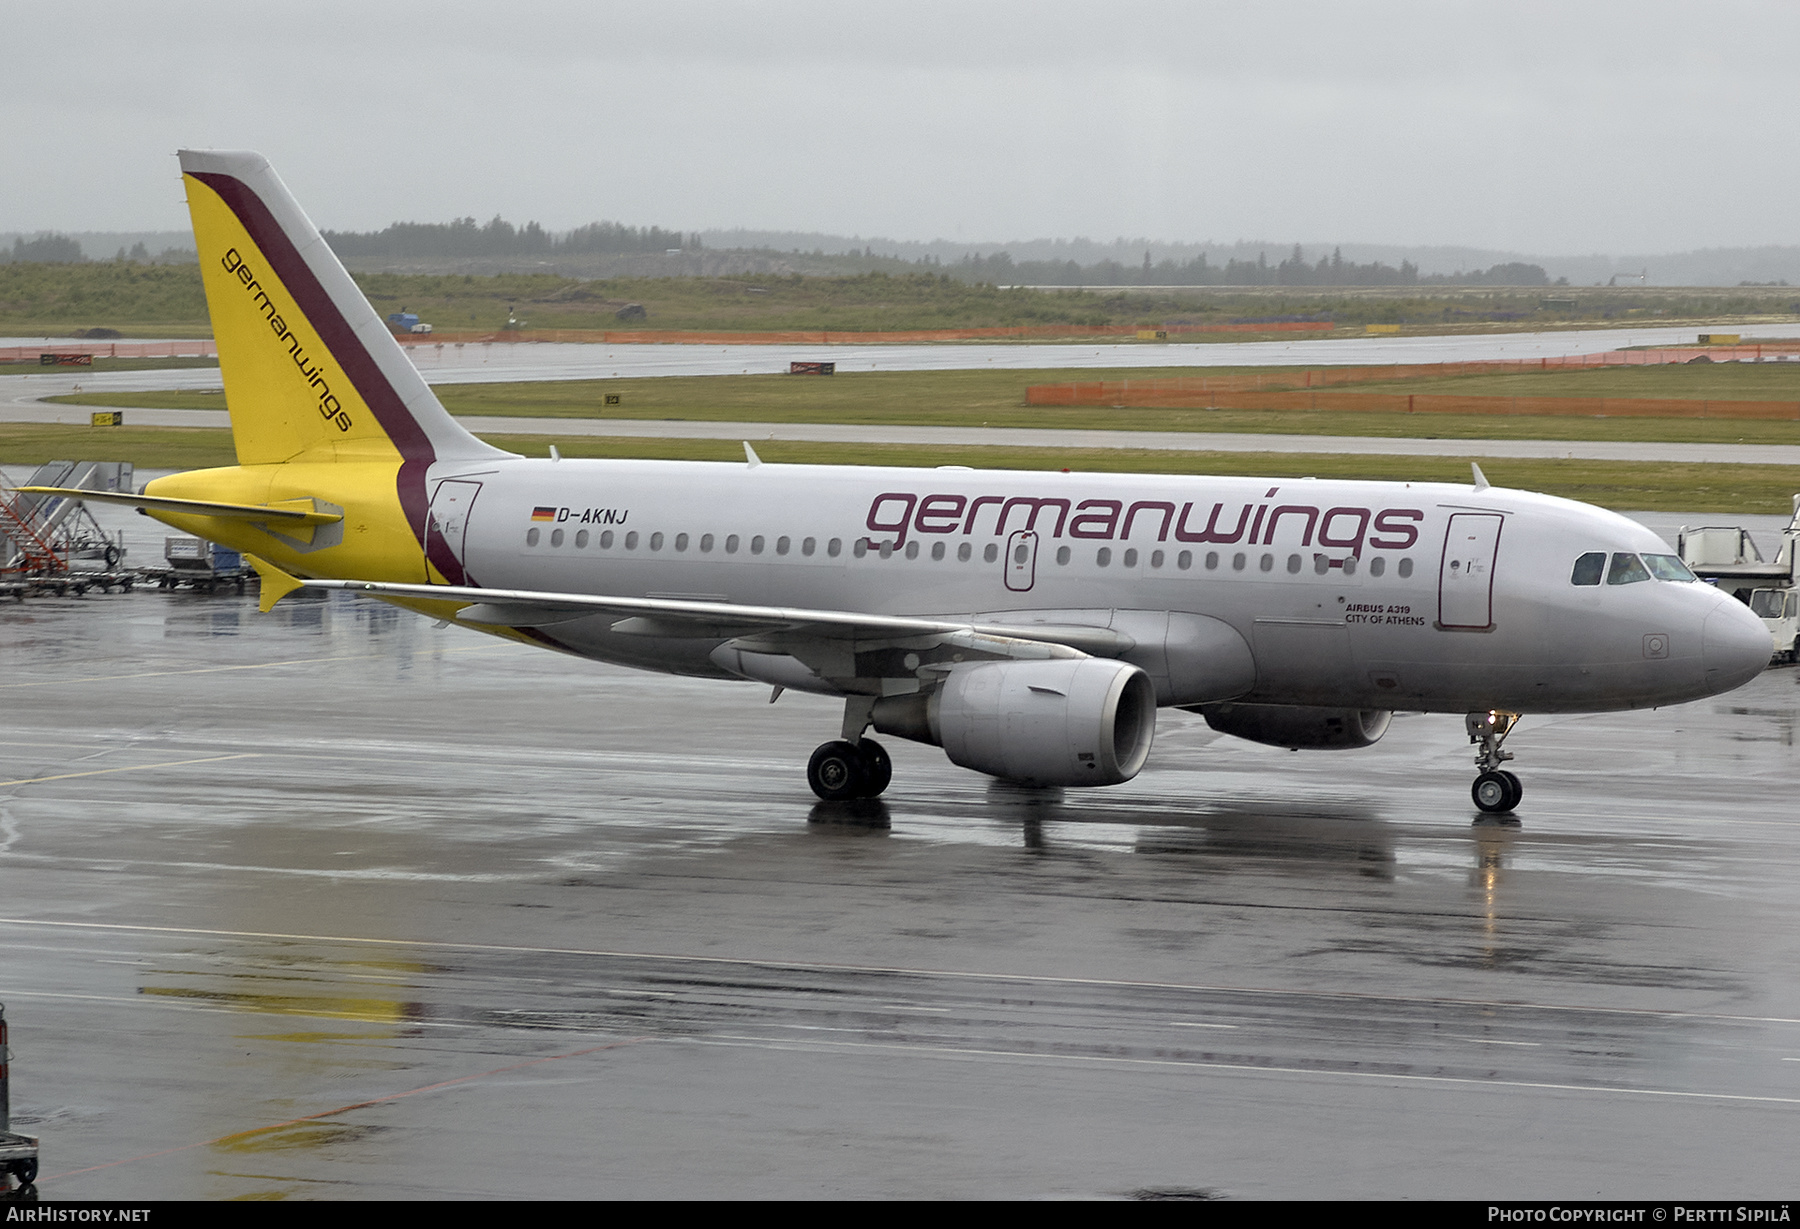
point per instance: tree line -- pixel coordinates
(498, 237)
(1001, 270)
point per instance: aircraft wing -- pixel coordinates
(796, 630)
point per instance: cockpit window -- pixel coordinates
(1626, 570)
(1589, 568)
(1668, 567)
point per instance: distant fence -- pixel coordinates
(199, 347)
(1451, 403)
(1312, 389)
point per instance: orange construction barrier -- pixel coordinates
(199, 347)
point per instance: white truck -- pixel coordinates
(1725, 556)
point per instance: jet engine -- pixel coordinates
(1082, 721)
(1311, 729)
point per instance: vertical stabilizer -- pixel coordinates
(311, 373)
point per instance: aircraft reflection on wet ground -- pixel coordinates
(335, 903)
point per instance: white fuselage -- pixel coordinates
(1408, 596)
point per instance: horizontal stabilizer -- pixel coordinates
(287, 512)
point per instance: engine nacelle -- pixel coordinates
(1309, 729)
(1080, 721)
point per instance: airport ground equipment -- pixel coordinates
(18, 1153)
(1725, 556)
(51, 543)
(200, 565)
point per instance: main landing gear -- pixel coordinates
(851, 766)
(842, 769)
(1496, 791)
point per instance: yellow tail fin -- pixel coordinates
(311, 373)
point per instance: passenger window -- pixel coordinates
(1626, 569)
(1668, 567)
(1589, 568)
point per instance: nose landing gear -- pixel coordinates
(1496, 790)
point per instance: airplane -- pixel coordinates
(1029, 624)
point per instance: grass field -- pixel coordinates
(1744, 489)
(996, 398)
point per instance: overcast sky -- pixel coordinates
(1553, 128)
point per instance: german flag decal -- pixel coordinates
(543, 514)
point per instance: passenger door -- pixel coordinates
(447, 524)
(1466, 573)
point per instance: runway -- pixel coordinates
(494, 362)
(330, 903)
(21, 395)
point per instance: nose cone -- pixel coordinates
(1737, 646)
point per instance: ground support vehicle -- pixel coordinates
(200, 565)
(1724, 555)
(18, 1153)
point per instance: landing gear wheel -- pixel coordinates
(1493, 793)
(1518, 790)
(835, 771)
(877, 768)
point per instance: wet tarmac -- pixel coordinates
(332, 903)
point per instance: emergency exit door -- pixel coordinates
(1021, 561)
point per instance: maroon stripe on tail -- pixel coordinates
(347, 348)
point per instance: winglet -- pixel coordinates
(276, 584)
(1481, 482)
(750, 455)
